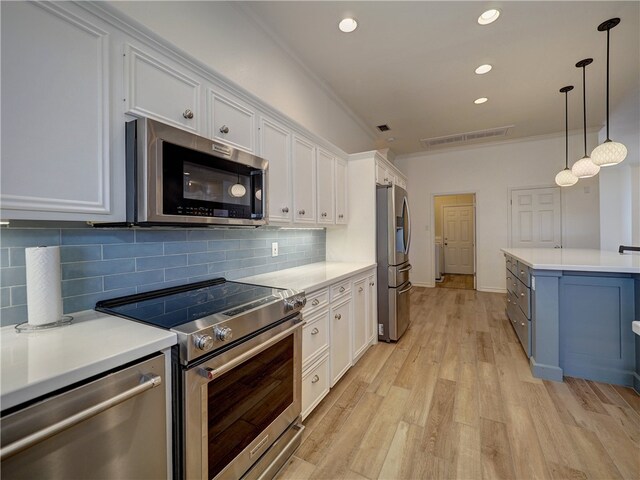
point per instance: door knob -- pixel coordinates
(224, 129)
(188, 114)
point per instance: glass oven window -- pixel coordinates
(245, 400)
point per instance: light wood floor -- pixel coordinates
(454, 398)
(453, 280)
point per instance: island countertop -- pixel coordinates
(576, 259)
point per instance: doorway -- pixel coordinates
(455, 251)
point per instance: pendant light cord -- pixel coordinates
(584, 102)
(608, 31)
(566, 129)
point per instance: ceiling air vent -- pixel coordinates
(460, 138)
(383, 128)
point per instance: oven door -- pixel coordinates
(239, 402)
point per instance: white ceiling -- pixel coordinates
(411, 64)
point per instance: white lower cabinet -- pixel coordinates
(340, 326)
(340, 347)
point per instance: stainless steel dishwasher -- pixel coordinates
(110, 427)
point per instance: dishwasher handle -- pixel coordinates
(151, 381)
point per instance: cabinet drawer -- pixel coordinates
(524, 298)
(316, 301)
(524, 274)
(511, 263)
(512, 283)
(340, 290)
(521, 325)
(512, 300)
(315, 385)
(315, 337)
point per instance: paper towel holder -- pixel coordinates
(26, 327)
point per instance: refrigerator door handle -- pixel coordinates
(406, 204)
(409, 267)
(405, 290)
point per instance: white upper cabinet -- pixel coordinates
(383, 174)
(159, 89)
(304, 180)
(231, 121)
(341, 192)
(326, 187)
(275, 147)
(56, 158)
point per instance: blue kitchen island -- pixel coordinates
(573, 309)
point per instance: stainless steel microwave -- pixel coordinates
(179, 178)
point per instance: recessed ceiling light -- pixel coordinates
(348, 25)
(482, 69)
(480, 100)
(488, 17)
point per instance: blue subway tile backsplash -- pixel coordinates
(107, 263)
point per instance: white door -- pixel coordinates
(275, 147)
(458, 239)
(535, 218)
(304, 181)
(326, 186)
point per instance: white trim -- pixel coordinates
(423, 285)
(492, 289)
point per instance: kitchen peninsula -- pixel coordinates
(581, 308)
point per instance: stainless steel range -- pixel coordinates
(236, 373)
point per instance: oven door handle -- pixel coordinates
(212, 373)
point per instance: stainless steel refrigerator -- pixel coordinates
(393, 232)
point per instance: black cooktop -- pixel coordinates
(170, 307)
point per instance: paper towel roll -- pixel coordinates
(44, 295)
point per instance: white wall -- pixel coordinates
(491, 171)
(222, 36)
(620, 184)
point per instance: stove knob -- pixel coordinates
(300, 301)
(223, 334)
(289, 304)
(204, 342)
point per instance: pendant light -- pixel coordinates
(584, 168)
(608, 152)
(566, 178)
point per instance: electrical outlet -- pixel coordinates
(274, 249)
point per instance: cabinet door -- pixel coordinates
(372, 308)
(158, 89)
(401, 182)
(360, 330)
(56, 142)
(326, 187)
(383, 176)
(275, 147)
(231, 121)
(341, 192)
(340, 340)
(304, 180)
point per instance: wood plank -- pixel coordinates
(597, 462)
(562, 472)
(467, 401)
(607, 394)
(438, 428)
(371, 452)
(417, 407)
(469, 464)
(489, 389)
(625, 455)
(295, 469)
(567, 406)
(495, 452)
(484, 347)
(627, 420)
(585, 396)
(528, 459)
(404, 460)
(629, 396)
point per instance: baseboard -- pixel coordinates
(424, 285)
(547, 372)
(492, 290)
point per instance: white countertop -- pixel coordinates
(38, 363)
(313, 276)
(577, 259)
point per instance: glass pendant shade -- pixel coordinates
(566, 178)
(585, 168)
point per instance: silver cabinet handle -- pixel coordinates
(360, 289)
(521, 272)
(315, 302)
(386, 180)
(301, 212)
(324, 214)
(371, 284)
(338, 316)
(341, 216)
(285, 209)
(341, 289)
(150, 382)
(522, 294)
(224, 129)
(508, 300)
(315, 379)
(315, 331)
(188, 114)
(522, 323)
(405, 290)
